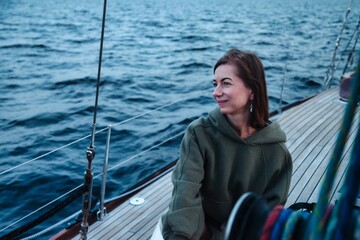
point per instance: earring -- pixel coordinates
(251, 107)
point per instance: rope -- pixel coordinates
(343, 209)
(315, 225)
(280, 224)
(292, 224)
(339, 225)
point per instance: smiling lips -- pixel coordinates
(221, 102)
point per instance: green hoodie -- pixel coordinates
(216, 167)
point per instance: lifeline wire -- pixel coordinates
(39, 209)
(95, 177)
(101, 130)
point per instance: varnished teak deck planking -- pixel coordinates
(311, 129)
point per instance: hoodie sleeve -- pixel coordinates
(185, 217)
(277, 189)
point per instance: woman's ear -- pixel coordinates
(252, 96)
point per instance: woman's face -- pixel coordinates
(230, 91)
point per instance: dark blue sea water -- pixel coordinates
(155, 52)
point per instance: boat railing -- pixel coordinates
(103, 174)
(333, 66)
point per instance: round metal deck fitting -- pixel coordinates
(137, 201)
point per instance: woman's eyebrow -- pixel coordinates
(223, 79)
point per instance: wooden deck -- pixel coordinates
(311, 129)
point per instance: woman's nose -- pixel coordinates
(217, 92)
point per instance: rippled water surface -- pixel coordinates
(155, 53)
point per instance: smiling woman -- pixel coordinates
(233, 150)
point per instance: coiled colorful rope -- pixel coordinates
(280, 224)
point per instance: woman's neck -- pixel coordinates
(241, 124)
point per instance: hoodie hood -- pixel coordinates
(272, 133)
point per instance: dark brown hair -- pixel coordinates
(251, 71)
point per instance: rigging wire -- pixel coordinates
(90, 151)
(98, 75)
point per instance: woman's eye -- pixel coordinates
(214, 84)
(226, 84)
